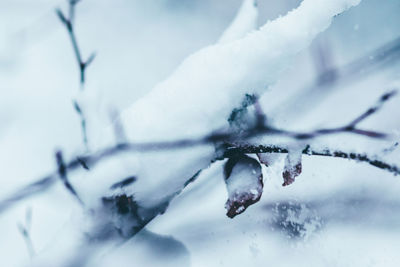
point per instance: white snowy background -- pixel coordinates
(337, 213)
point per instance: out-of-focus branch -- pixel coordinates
(377, 59)
(24, 229)
(62, 172)
(374, 108)
(69, 25)
(68, 22)
(79, 111)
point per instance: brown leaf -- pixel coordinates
(293, 167)
(244, 182)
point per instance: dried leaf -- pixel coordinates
(244, 182)
(292, 167)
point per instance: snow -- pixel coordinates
(203, 90)
(244, 22)
(221, 74)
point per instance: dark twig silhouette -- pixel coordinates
(83, 122)
(68, 22)
(24, 229)
(62, 172)
(69, 25)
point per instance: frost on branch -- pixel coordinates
(244, 182)
(292, 167)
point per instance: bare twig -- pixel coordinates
(374, 108)
(255, 149)
(62, 172)
(350, 127)
(24, 229)
(83, 123)
(69, 25)
(91, 160)
(68, 22)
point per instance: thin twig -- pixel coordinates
(68, 22)
(350, 127)
(374, 108)
(62, 173)
(69, 25)
(83, 123)
(24, 229)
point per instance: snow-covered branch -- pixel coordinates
(234, 145)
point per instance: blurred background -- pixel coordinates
(339, 213)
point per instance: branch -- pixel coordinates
(24, 229)
(255, 149)
(69, 25)
(228, 137)
(83, 122)
(349, 128)
(68, 22)
(62, 173)
(374, 108)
